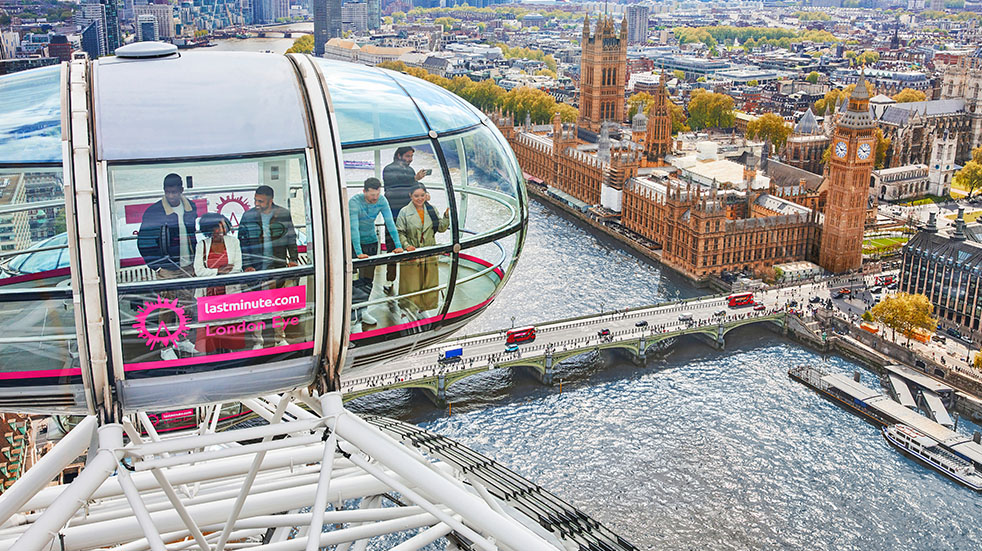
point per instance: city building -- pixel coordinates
(658, 135)
(164, 13)
(146, 28)
(603, 74)
(902, 182)
(637, 23)
(91, 19)
(60, 48)
(853, 147)
(963, 80)
(374, 14)
(354, 17)
(806, 144)
(946, 266)
(269, 11)
(942, 165)
(911, 128)
(327, 23)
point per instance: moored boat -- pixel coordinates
(928, 451)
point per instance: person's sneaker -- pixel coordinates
(367, 318)
(168, 354)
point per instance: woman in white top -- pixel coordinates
(216, 254)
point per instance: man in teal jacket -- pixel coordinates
(363, 209)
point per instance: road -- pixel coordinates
(483, 349)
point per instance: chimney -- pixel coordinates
(959, 234)
(932, 223)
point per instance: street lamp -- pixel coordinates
(513, 322)
(601, 307)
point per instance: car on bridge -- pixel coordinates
(720, 313)
(511, 347)
(603, 332)
(759, 306)
(685, 316)
(642, 323)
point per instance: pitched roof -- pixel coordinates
(900, 113)
(785, 175)
(807, 124)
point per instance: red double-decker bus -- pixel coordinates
(743, 299)
(885, 280)
(520, 335)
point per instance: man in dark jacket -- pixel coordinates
(166, 242)
(399, 179)
(166, 237)
(268, 241)
(267, 235)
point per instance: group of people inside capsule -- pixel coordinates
(411, 222)
(266, 240)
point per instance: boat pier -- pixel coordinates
(880, 409)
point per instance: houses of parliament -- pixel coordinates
(690, 214)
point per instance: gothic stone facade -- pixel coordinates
(603, 74)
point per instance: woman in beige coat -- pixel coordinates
(417, 224)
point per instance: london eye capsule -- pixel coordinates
(183, 229)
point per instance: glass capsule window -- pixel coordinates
(214, 263)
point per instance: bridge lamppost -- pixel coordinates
(513, 322)
(601, 307)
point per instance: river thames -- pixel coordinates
(699, 450)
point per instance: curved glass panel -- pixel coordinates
(37, 322)
(222, 275)
(443, 110)
(30, 116)
(484, 182)
(368, 104)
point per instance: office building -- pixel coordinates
(637, 24)
(164, 14)
(327, 23)
(354, 17)
(146, 28)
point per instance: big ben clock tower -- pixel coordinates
(853, 153)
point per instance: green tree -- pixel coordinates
(678, 74)
(867, 316)
(302, 45)
(398, 16)
(969, 178)
(447, 22)
(387, 20)
(769, 126)
(908, 95)
(905, 313)
(710, 110)
(752, 83)
(641, 100)
(546, 73)
(701, 79)
(882, 145)
(812, 77)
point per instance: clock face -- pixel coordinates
(864, 151)
(840, 149)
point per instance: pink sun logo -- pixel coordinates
(163, 335)
(236, 207)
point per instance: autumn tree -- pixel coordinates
(905, 313)
(546, 73)
(834, 97)
(640, 101)
(977, 154)
(769, 126)
(752, 83)
(908, 95)
(302, 45)
(710, 110)
(678, 74)
(678, 118)
(812, 77)
(969, 178)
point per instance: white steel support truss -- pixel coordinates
(314, 476)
